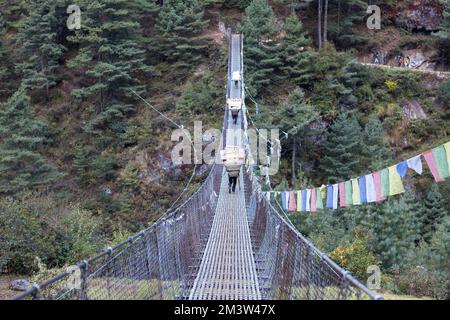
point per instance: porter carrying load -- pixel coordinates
(235, 106)
(233, 158)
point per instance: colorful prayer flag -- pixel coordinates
(342, 194)
(402, 168)
(291, 201)
(284, 199)
(429, 158)
(348, 193)
(370, 189)
(377, 183)
(313, 200)
(304, 200)
(308, 200)
(395, 181)
(415, 163)
(330, 197)
(355, 192)
(319, 201)
(299, 201)
(441, 161)
(362, 189)
(447, 152)
(335, 195)
(384, 182)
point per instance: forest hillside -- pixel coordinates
(85, 162)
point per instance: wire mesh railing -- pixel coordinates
(288, 265)
(160, 262)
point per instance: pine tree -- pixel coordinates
(444, 32)
(339, 19)
(81, 163)
(396, 232)
(293, 117)
(376, 151)
(21, 138)
(294, 51)
(200, 96)
(112, 59)
(5, 61)
(342, 149)
(38, 45)
(433, 212)
(180, 26)
(261, 53)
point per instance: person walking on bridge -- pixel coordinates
(232, 180)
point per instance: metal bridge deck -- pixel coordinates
(227, 270)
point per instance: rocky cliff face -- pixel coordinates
(423, 15)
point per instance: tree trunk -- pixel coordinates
(294, 151)
(325, 23)
(319, 19)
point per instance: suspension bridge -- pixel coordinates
(216, 245)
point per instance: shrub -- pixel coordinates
(444, 93)
(355, 257)
(32, 231)
(391, 85)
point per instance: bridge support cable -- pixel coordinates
(216, 245)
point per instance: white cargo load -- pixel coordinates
(233, 158)
(236, 76)
(234, 104)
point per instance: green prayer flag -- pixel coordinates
(348, 193)
(319, 200)
(385, 182)
(441, 161)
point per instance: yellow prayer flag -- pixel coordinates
(447, 152)
(356, 195)
(395, 181)
(299, 201)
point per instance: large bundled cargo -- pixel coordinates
(234, 104)
(233, 158)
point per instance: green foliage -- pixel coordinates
(328, 79)
(340, 149)
(200, 96)
(104, 168)
(395, 230)
(6, 72)
(293, 117)
(241, 4)
(31, 230)
(444, 93)
(376, 153)
(355, 257)
(112, 59)
(39, 45)
(444, 32)
(22, 167)
(261, 53)
(294, 50)
(180, 28)
(433, 212)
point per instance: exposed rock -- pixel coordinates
(107, 190)
(420, 15)
(413, 110)
(19, 285)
